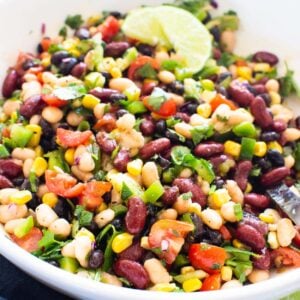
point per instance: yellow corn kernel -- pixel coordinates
(115, 72)
(195, 208)
(84, 232)
(39, 151)
(46, 61)
(226, 273)
(164, 287)
(187, 269)
(50, 199)
(238, 244)
(244, 72)
(135, 167)
(207, 84)
(262, 67)
(69, 156)
(275, 98)
(272, 240)
(108, 63)
(39, 166)
(207, 96)
(37, 132)
(121, 242)
(266, 218)
(204, 110)
(192, 285)
(275, 146)
(14, 115)
(3, 117)
(260, 149)
(218, 198)
(145, 243)
(90, 101)
(248, 188)
(232, 148)
(20, 197)
(102, 207)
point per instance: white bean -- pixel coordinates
(83, 247)
(228, 40)
(126, 122)
(30, 77)
(69, 250)
(49, 78)
(131, 139)
(285, 232)
(274, 213)
(79, 151)
(121, 84)
(227, 212)
(35, 120)
(45, 215)
(42, 190)
(99, 110)
(289, 161)
(186, 173)
(272, 85)
(168, 214)
(156, 271)
(61, 228)
(52, 114)
(179, 100)
(184, 129)
(104, 217)
(86, 162)
(291, 134)
(74, 119)
(11, 212)
(30, 88)
(258, 275)
(211, 218)
(11, 106)
(23, 153)
(12, 224)
(272, 240)
(27, 167)
(234, 192)
(83, 176)
(166, 77)
(234, 283)
(149, 173)
(182, 205)
(5, 194)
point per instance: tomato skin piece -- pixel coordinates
(109, 28)
(225, 233)
(30, 241)
(139, 62)
(69, 139)
(167, 109)
(218, 100)
(211, 283)
(286, 256)
(207, 257)
(52, 100)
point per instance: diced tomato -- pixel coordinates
(284, 256)
(139, 62)
(148, 86)
(109, 28)
(207, 257)
(45, 43)
(5, 132)
(241, 63)
(68, 138)
(218, 100)
(30, 241)
(107, 123)
(225, 233)
(168, 236)
(92, 195)
(52, 100)
(211, 283)
(63, 184)
(167, 109)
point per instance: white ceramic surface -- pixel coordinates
(265, 24)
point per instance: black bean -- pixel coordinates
(39, 48)
(269, 136)
(34, 202)
(211, 236)
(214, 4)
(207, 18)
(275, 158)
(53, 263)
(107, 197)
(66, 65)
(161, 127)
(264, 164)
(145, 49)
(116, 14)
(219, 182)
(121, 112)
(152, 210)
(266, 97)
(223, 76)
(192, 108)
(58, 56)
(28, 63)
(17, 181)
(215, 31)
(251, 89)
(107, 76)
(164, 163)
(176, 87)
(82, 33)
(116, 97)
(63, 125)
(63, 209)
(47, 129)
(198, 231)
(25, 185)
(93, 227)
(189, 144)
(222, 90)
(96, 259)
(117, 223)
(172, 136)
(48, 144)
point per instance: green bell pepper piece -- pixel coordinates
(154, 192)
(245, 129)
(56, 159)
(3, 151)
(20, 136)
(119, 209)
(22, 229)
(247, 149)
(69, 264)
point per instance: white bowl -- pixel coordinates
(265, 25)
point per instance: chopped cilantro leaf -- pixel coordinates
(70, 92)
(170, 64)
(288, 84)
(84, 217)
(63, 31)
(74, 21)
(147, 71)
(157, 98)
(238, 211)
(201, 132)
(187, 196)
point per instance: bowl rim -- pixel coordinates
(285, 283)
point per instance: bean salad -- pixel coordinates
(141, 163)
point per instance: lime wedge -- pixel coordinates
(172, 27)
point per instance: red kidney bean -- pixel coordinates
(259, 88)
(186, 185)
(5, 182)
(32, 106)
(266, 57)
(107, 122)
(10, 83)
(257, 200)
(261, 115)
(103, 93)
(155, 147)
(135, 218)
(274, 176)
(79, 70)
(134, 272)
(279, 126)
(251, 220)
(207, 150)
(217, 53)
(147, 127)
(264, 261)
(9, 168)
(250, 236)
(170, 195)
(239, 93)
(121, 160)
(148, 87)
(106, 144)
(217, 160)
(116, 49)
(183, 116)
(242, 172)
(135, 252)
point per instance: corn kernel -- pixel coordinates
(208, 84)
(204, 110)
(50, 199)
(135, 167)
(145, 243)
(218, 198)
(232, 148)
(275, 146)
(69, 156)
(248, 188)
(108, 63)
(39, 166)
(260, 149)
(121, 242)
(20, 197)
(195, 208)
(90, 101)
(275, 98)
(84, 232)
(102, 207)
(244, 72)
(266, 218)
(262, 67)
(164, 287)
(226, 273)
(207, 96)
(46, 62)
(238, 244)
(192, 285)
(187, 269)
(37, 132)
(39, 151)
(272, 240)
(115, 72)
